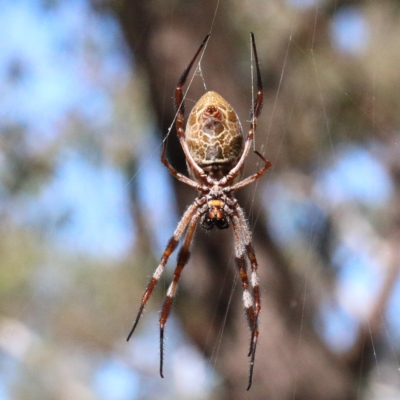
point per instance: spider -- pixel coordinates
(215, 154)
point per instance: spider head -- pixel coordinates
(215, 216)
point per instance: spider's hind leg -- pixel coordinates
(257, 307)
(251, 302)
(254, 283)
(173, 242)
(183, 258)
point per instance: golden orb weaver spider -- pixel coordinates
(215, 154)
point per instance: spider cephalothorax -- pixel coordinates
(215, 152)
(218, 212)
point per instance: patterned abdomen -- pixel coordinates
(214, 135)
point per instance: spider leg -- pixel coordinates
(256, 294)
(181, 111)
(175, 173)
(242, 245)
(241, 265)
(180, 108)
(254, 269)
(255, 113)
(254, 283)
(258, 102)
(240, 248)
(183, 258)
(253, 177)
(182, 80)
(173, 242)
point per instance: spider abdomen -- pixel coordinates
(214, 135)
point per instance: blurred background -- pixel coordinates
(86, 207)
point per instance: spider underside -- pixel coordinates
(215, 154)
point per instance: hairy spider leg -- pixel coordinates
(243, 244)
(183, 258)
(248, 248)
(173, 242)
(252, 302)
(240, 250)
(256, 294)
(252, 258)
(192, 209)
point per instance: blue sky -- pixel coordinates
(58, 79)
